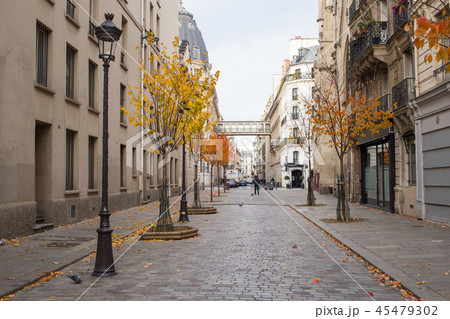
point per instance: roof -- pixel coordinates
(190, 32)
(308, 56)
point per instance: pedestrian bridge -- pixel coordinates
(243, 128)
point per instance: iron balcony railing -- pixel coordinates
(401, 16)
(289, 141)
(402, 93)
(376, 34)
(70, 9)
(352, 10)
(385, 103)
(299, 76)
(91, 29)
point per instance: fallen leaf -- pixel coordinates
(294, 246)
(56, 262)
(315, 281)
(53, 297)
(419, 275)
(16, 245)
(370, 294)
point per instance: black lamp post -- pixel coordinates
(183, 203)
(108, 35)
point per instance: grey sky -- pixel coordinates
(247, 41)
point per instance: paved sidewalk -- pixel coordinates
(27, 259)
(417, 253)
(254, 251)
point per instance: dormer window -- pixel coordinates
(196, 53)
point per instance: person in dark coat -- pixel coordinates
(256, 182)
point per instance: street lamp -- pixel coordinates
(183, 203)
(108, 35)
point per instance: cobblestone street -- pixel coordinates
(257, 251)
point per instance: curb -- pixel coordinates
(407, 282)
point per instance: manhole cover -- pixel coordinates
(58, 244)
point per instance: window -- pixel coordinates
(70, 149)
(91, 18)
(295, 93)
(70, 70)
(149, 163)
(70, 9)
(91, 80)
(295, 112)
(41, 53)
(295, 132)
(122, 165)
(411, 150)
(133, 154)
(91, 162)
(122, 102)
(196, 53)
(295, 155)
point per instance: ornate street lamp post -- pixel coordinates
(183, 203)
(108, 35)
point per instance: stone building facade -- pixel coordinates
(51, 105)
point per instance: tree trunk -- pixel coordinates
(212, 167)
(197, 203)
(165, 220)
(310, 198)
(224, 181)
(218, 180)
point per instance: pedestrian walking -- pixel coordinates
(256, 184)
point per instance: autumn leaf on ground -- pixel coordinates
(56, 262)
(294, 246)
(315, 281)
(370, 294)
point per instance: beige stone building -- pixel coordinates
(51, 106)
(365, 41)
(431, 109)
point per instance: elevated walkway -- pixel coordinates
(244, 128)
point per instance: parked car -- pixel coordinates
(243, 183)
(232, 183)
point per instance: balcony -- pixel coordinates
(70, 9)
(385, 103)
(299, 76)
(401, 17)
(402, 93)
(352, 10)
(294, 116)
(289, 141)
(376, 34)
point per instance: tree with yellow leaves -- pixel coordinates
(228, 155)
(434, 32)
(212, 153)
(343, 120)
(169, 108)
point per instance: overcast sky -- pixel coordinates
(247, 40)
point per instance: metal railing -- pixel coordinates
(70, 9)
(385, 103)
(299, 76)
(402, 93)
(376, 34)
(289, 141)
(401, 17)
(294, 116)
(352, 10)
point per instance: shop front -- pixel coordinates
(377, 169)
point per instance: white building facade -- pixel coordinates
(296, 84)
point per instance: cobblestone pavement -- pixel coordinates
(411, 251)
(257, 251)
